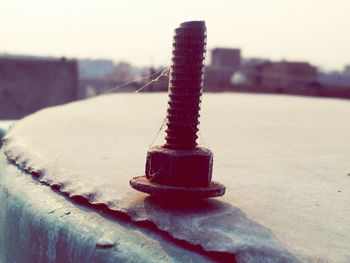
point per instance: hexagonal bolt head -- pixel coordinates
(192, 168)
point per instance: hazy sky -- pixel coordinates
(141, 31)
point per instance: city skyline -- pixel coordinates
(141, 32)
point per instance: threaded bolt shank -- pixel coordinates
(186, 85)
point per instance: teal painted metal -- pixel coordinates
(3, 127)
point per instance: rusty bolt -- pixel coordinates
(180, 167)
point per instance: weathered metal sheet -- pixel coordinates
(39, 225)
(284, 162)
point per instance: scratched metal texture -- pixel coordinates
(284, 160)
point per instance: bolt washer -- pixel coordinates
(142, 184)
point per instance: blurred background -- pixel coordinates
(54, 52)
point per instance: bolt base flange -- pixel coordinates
(141, 183)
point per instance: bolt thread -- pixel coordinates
(186, 85)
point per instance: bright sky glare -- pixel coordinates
(141, 31)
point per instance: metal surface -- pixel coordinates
(180, 167)
(284, 180)
(39, 225)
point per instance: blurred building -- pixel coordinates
(249, 73)
(334, 79)
(224, 63)
(121, 77)
(121, 72)
(226, 58)
(95, 69)
(27, 85)
(347, 70)
(287, 74)
(283, 74)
